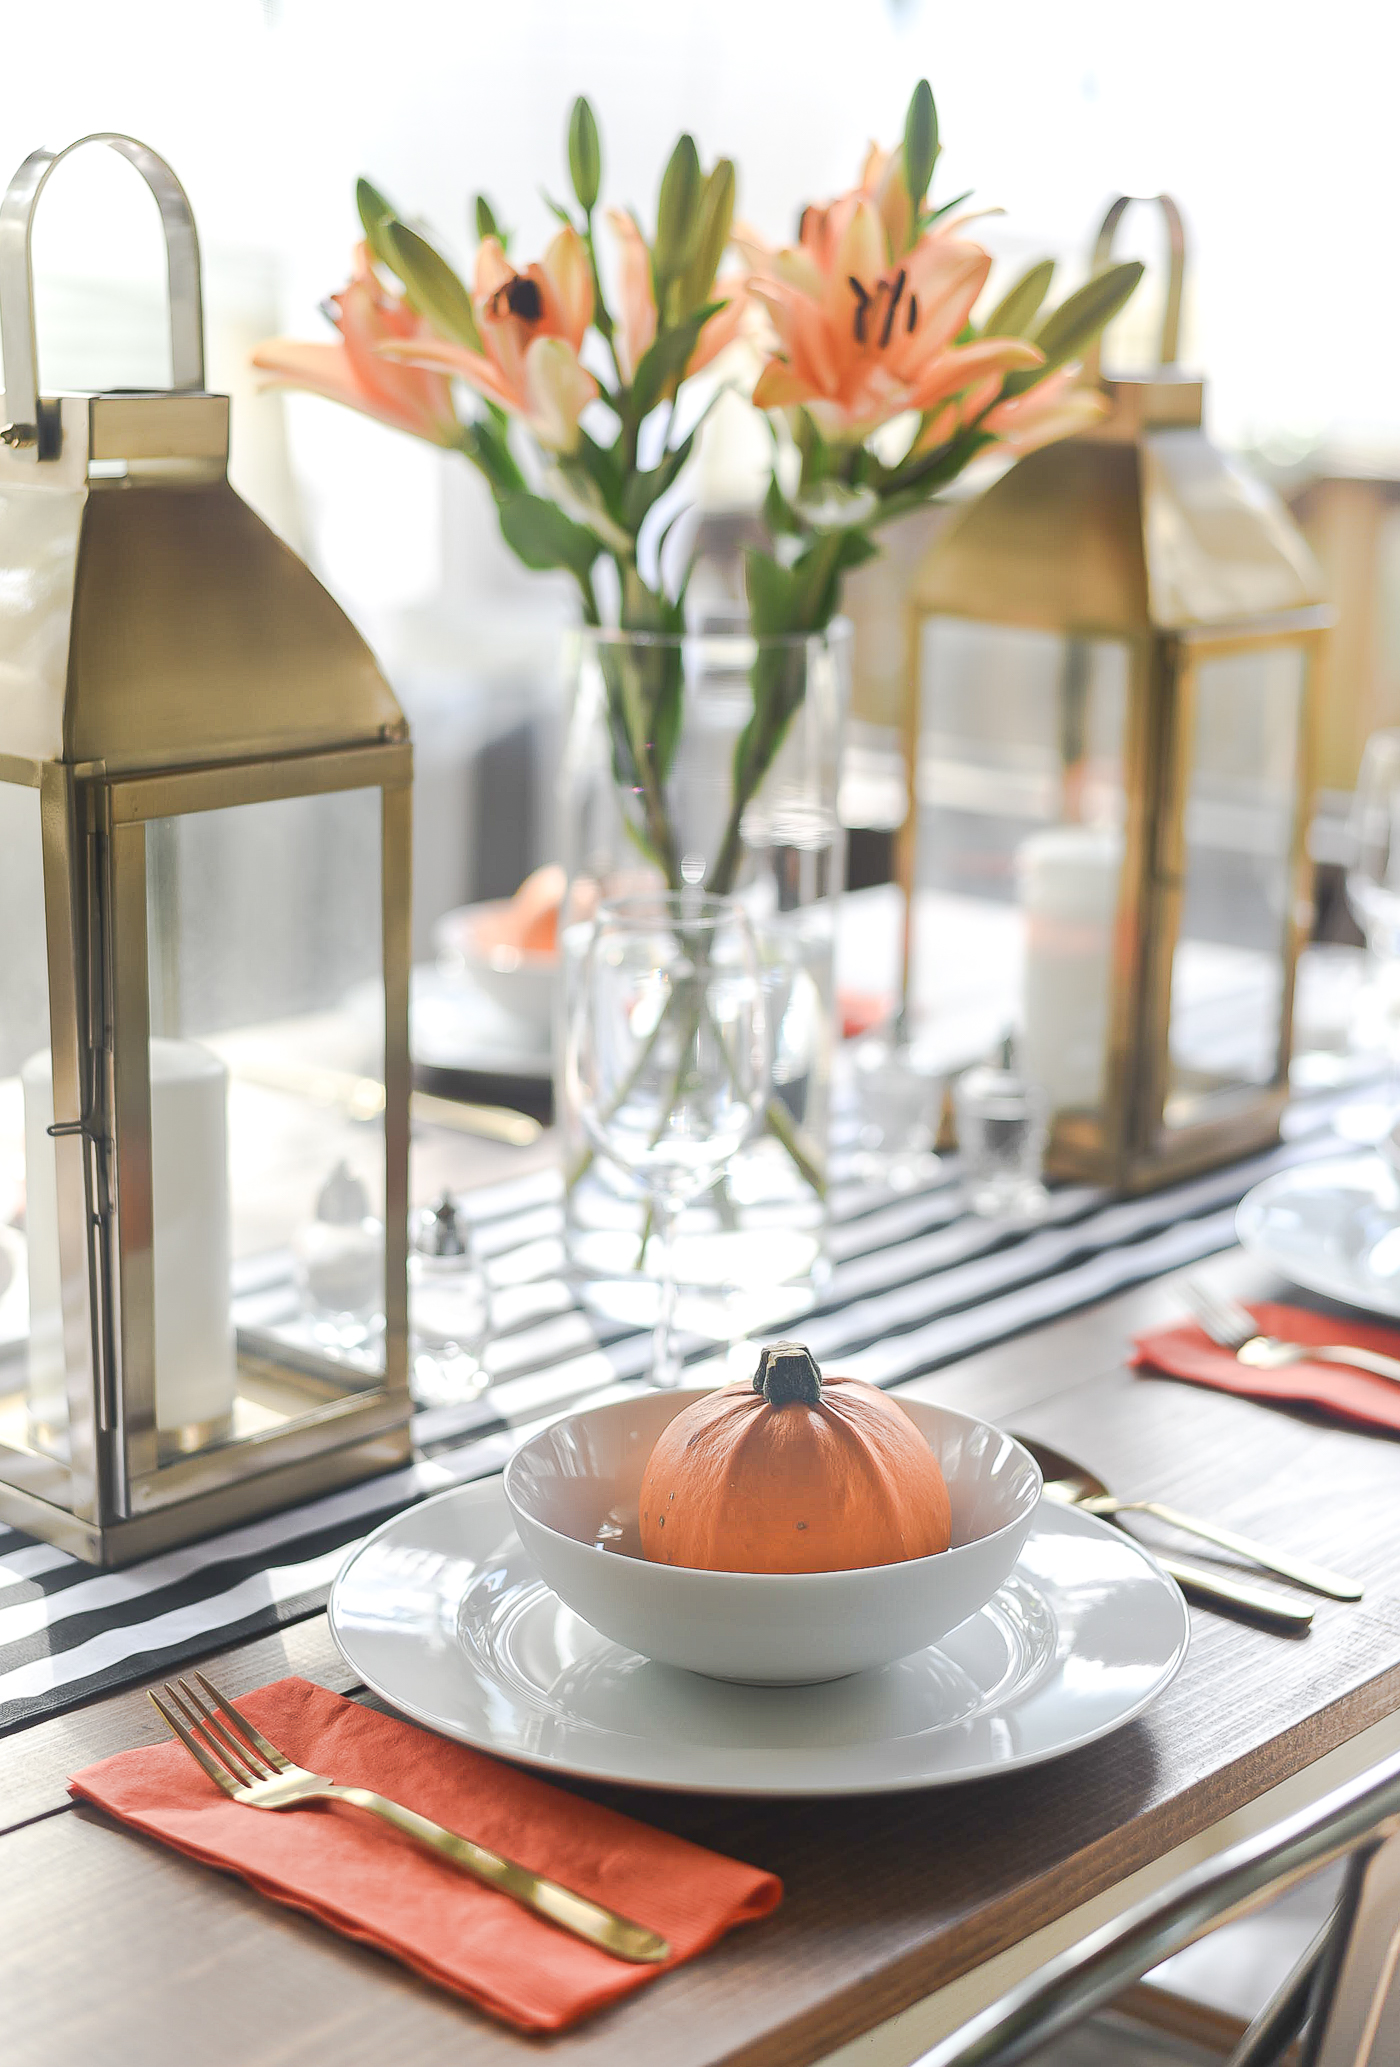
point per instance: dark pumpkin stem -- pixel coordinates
(787, 1371)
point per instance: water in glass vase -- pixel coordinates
(749, 1251)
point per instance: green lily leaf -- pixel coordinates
(431, 286)
(645, 489)
(937, 214)
(778, 513)
(539, 533)
(486, 445)
(1069, 329)
(1020, 305)
(817, 456)
(772, 593)
(557, 210)
(920, 142)
(603, 466)
(665, 360)
(375, 216)
(585, 155)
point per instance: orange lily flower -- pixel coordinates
(1053, 408)
(532, 324)
(367, 316)
(636, 305)
(863, 334)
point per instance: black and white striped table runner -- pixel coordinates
(917, 1282)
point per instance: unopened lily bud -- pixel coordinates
(585, 154)
(716, 215)
(677, 211)
(920, 143)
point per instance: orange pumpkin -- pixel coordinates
(792, 1474)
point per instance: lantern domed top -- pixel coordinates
(148, 618)
(1140, 526)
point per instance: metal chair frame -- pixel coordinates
(1343, 1995)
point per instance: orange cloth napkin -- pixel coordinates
(1358, 1398)
(366, 1881)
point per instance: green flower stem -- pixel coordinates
(784, 1128)
(631, 715)
(773, 713)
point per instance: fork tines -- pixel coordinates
(231, 1752)
(1224, 1320)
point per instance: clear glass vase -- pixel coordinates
(712, 759)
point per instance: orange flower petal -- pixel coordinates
(958, 368)
(566, 270)
(557, 391)
(779, 387)
(457, 361)
(493, 268)
(636, 304)
(720, 330)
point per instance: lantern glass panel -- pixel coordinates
(1022, 802)
(265, 960)
(33, 1397)
(1230, 964)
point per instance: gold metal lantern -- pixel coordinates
(204, 940)
(1111, 659)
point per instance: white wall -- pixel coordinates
(1271, 120)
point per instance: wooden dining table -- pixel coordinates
(904, 1911)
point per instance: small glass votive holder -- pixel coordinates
(449, 1307)
(898, 1101)
(1003, 1122)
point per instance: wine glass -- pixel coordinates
(667, 1057)
(1373, 876)
(1373, 892)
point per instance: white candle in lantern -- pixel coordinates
(194, 1346)
(1069, 894)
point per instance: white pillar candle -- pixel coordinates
(194, 1345)
(48, 1397)
(1069, 894)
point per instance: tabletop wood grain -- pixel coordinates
(114, 1951)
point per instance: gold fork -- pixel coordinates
(239, 1759)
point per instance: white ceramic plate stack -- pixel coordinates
(445, 1614)
(1332, 1227)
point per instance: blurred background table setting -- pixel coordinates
(699, 1064)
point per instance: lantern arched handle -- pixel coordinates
(17, 336)
(1176, 277)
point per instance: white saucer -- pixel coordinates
(1333, 1227)
(441, 1613)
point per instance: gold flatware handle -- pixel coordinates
(1216, 1592)
(362, 1098)
(1336, 1353)
(1316, 1578)
(560, 1905)
(488, 1122)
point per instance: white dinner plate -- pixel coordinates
(1332, 1227)
(454, 1025)
(442, 1614)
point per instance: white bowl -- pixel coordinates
(521, 980)
(783, 1628)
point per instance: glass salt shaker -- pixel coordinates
(1003, 1122)
(340, 1262)
(448, 1307)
